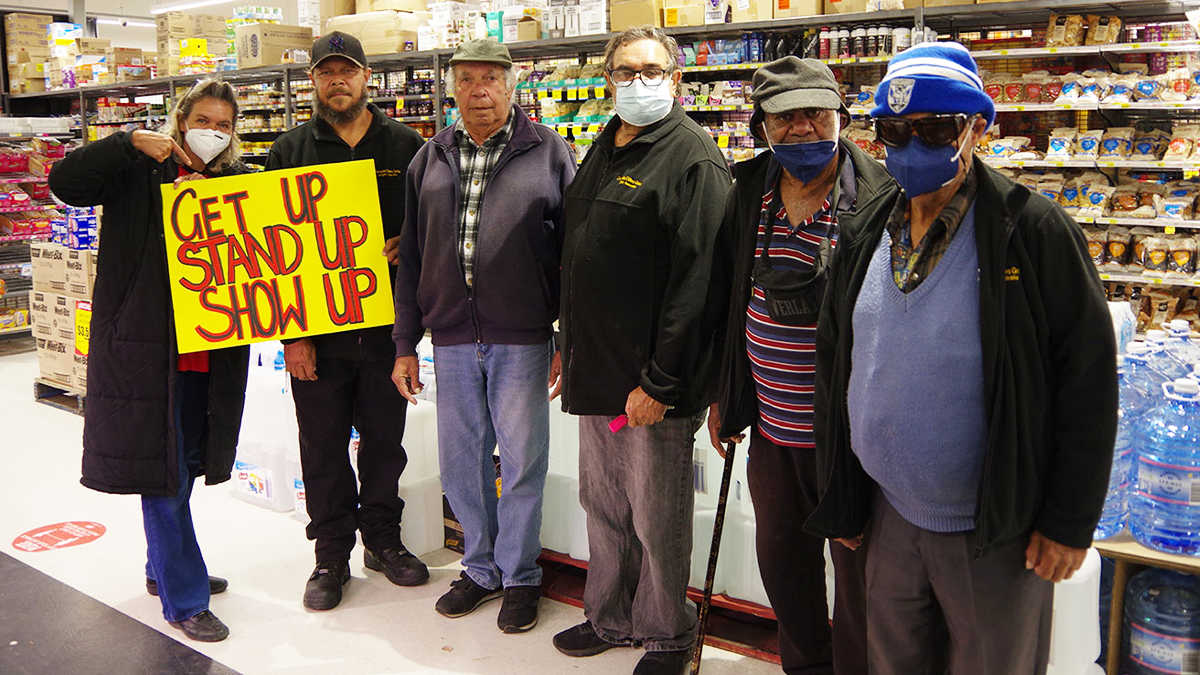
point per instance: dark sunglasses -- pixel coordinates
(897, 132)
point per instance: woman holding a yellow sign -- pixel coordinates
(156, 419)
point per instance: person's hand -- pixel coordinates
(300, 358)
(642, 410)
(1051, 560)
(190, 176)
(159, 147)
(555, 383)
(851, 544)
(391, 250)
(406, 375)
(714, 429)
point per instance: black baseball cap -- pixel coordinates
(340, 44)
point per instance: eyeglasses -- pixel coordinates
(897, 132)
(651, 77)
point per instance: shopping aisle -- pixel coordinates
(379, 628)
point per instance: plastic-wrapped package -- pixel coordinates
(1097, 201)
(1065, 30)
(1182, 143)
(1156, 252)
(1087, 144)
(1061, 144)
(1119, 249)
(1097, 243)
(1117, 143)
(1182, 259)
(1103, 30)
(1138, 237)
(1148, 88)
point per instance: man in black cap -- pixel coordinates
(781, 223)
(344, 379)
(479, 268)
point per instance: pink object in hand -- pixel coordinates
(618, 422)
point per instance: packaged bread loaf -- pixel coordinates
(1182, 259)
(1156, 250)
(1065, 30)
(1097, 243)
(1149, 200)
(1117, 255)
(1138, 236)
(1103, 30)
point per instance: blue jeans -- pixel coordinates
(173, 556)
(489, 395)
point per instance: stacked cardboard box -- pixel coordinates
(60, 309)
(171, 28)
(25, 35)
(247, 16)
(263, 44)
(381, 32)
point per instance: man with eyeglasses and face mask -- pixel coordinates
(781, 224)
(343, 379)
(639, 327)
(966, 389)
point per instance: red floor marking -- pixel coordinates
(59, 535)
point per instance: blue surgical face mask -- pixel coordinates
(805, 161)
(921, 168)
(642, 105)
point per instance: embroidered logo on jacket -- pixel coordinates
(629, 182)
(1012, 273)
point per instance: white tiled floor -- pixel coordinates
(379, 628)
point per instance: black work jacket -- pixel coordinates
(129, 434)
(641, 228)
(392, 145)
(1050, 380)
(737, 396)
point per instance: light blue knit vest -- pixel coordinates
(916, 401)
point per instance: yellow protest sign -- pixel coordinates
(278, 254)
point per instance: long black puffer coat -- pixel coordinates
(129, 444)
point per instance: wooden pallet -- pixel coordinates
(58, 395)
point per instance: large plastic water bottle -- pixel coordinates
(1107, 570)
(1116, 504)
(1164, 507)
(1163, 358)
(1179, 341)
(1142, 374)
(1162, 623)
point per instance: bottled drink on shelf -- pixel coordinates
(1162, 632)
(1116, 505)
(1164, 505)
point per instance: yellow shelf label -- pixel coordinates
(600, 91)
(577, 129)
(1169, 229)
(399, 105)
(563, 131)
(723, 140)
(572, 94)
(558, 94)
(594, 128)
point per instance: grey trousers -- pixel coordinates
(636, 487)
(934, 609)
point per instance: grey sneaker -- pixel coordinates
(519, 612)
(463, 597)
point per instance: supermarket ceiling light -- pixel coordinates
(184, 6)
(127, 24)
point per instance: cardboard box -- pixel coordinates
(453, 529)
(752, 10)
(90, 46)
(56, 361)
(687, 15)
(364, 6)
(22, 21)
(53, 315)
(937, 3)
(405, 41)
(210, 25)
(49, 265)
(789, 8)
(124, 56)
(28, 86)
(529, 28)
(79, 371)
(263, 44)
(625, 14)
(324, 10)
(81, 269)
(174, 25)
(845, 6)
(41, 320)
(35, 37)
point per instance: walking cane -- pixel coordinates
(710, 577)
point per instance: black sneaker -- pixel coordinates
(664, 663)
(519, 611)
(582, 640)
(398, 565)
(215, 585)
(324, 588)
(203, 627)
(463, 597)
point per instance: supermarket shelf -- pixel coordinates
(1124, 546)
(5, 239)
(14, 331)
(1142, 222)
(718, 108)
(262, 108)
(1152, 47)
(34, 205)
(244, 132)
(1043, 107)
(722, 68)
(1152, 281)
(1035, 52)
(417, 118)
(21, 178)
(133, 120)
(6, 137)
(1001, 162)
(1152, 105)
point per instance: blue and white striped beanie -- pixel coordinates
(933, 77)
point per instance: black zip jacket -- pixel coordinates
(1050, 378)
(641, 228)
(392, 145)
(737, 396)
(129, 433)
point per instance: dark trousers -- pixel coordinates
(936, 609)
(173, 557)
(345, 393)
(783, 488)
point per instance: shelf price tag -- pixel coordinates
(722, 140)
(572, 94)
(562, 131)
(399, 105)
(558, 94)
(1169, 229)
(594, 128)
(1191, 173)
(577, 129)
(600, 91)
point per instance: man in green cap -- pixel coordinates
(479, 259)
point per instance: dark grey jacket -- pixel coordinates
(515, 294)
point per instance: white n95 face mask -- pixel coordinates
(642, 105)
(206, 143)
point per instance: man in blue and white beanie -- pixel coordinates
(967, 421)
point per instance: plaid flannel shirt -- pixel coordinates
(475, 166)
(913, 264)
